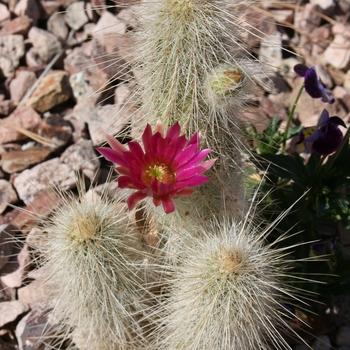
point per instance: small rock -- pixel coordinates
(326, 5)
(322, 343)
(122, 44)
(20, 266)
(56, 129)
(34, 294)
(30, 182)
(6, 243)
(79, 86)
(24, 117)
(271, 50)
(4, 13)
(21, 84)
(36, 330)
(320, 40)
(283, 15)
(338, 52)
(28, 8)
(48, 8)
(33, 59)
(39, 208)
(307, 18)
(346, 83)
(12, 49)
(6, 107)
(108, 25)
(129, 15)
(19, 25)
(45, 44)
(57, 26)
(81, 156)
(16, 161)
(10, 310)
(343, 336)
(75, 15)
(53, 90)
(7, 195)
(36, 239)
(254, 23)
(104, 120)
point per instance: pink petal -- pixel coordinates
(112, 156)
(168, 205)
(157, 202)
(173, 132)
(185, 192)
(194, 140)
(122, 171)
(194, 160)
(160, 127)
(115, 144)
(208, 164)
(136, 150)
(134, 199)
(146, 138)
(187, 173)
(191, 182)
(125, 182)
(179, 143)
(185, 155)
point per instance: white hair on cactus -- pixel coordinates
(227, 290)
(94, 266)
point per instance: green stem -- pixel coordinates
(290, 117)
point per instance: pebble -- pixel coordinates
(19, 25)
(24, 117)
(23, 81)
(7, 193)
(81, 156)
(75, 15)
(6, 243)
(28, 8)
(18, 269)
(10, 310)
(45, 44)
(39, 208)
(53, 90)
(16, 161)
(30, 182)
(4, 13)
(12, 49)
(57, 26)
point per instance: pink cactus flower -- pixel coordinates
(165, 168)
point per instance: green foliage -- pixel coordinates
(318, 190)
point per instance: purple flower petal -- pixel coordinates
(328, 142)
(312, 85)
(300, 69)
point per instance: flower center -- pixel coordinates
(160, 172)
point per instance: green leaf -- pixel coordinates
(322, 205)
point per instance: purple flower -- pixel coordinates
(167, 166)
(312, 84)
(323, 247)
(324, 138)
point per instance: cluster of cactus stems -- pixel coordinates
(201, 277)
